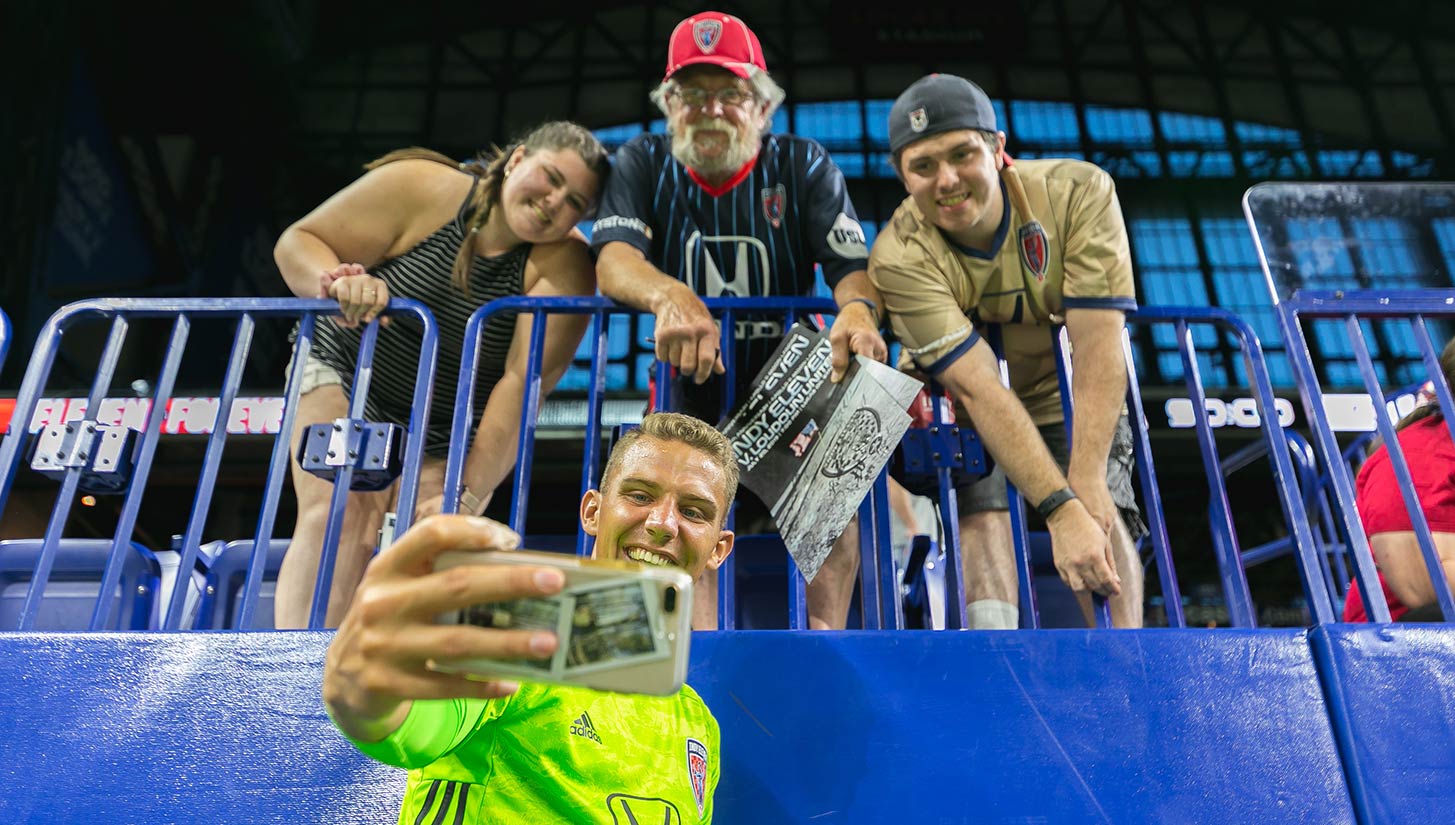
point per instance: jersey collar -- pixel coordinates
(995, 243)
(727, 185)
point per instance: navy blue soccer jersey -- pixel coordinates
(760, 234)
(757, 235)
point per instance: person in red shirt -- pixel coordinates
(1424, 439)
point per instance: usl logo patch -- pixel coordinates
(773, 198)
(706, 34)
(697, 769)
(1033, 248)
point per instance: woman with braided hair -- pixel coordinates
(453, 236)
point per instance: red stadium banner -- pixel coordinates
(185, 415)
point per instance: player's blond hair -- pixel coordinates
(684, 429)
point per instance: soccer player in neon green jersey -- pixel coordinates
(498, 751)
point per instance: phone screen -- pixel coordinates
(598, 626)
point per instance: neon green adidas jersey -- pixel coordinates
(552, 754)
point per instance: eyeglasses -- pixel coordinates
(696, 98)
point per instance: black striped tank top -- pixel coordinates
(423, 273)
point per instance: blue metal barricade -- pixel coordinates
(1371, 256)
(91, 452)
(1225, 538)
(879, 590)
(1415, 308)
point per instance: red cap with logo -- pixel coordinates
(716, 39)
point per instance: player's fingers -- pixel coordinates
(449, 643)
(420, 683)
(415, 551)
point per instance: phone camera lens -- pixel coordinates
(669, 600)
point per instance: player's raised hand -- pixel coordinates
(378, 660)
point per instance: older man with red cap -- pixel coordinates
(720, 206)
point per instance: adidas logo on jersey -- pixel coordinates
(583, 727)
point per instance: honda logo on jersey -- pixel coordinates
(703, 270)
(641, 810)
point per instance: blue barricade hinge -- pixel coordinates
(374, 450)
(104, 453)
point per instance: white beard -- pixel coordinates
(740, 150)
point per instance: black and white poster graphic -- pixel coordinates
(812, 448)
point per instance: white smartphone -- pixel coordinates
(620, 626)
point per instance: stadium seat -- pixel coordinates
(226, 573)
(74, 584)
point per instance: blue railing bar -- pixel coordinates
(343, 478)
(1284, 476)
(1443, 396)
(797, 597)
(31, 386)
(891, 601)
(1315, 504)
(530, 405)
(870, 610)
(414, 444)
(727, 572)
(950, 526)
(43, 563)
(1398, 463)
(211, 461)
(1151, 494)
(1224, 533)
(1371, 303)
(595, 394)
(121, 542)
(1312, 398)
(1030, 607)
(278, 468)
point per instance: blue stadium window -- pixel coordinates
(1172, 267)
(1170, 271)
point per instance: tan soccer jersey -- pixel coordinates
(938, 292)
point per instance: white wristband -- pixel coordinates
(470, 504)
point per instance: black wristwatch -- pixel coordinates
(1051, 503)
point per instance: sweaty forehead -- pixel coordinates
(671, 463)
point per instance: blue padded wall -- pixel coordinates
(173, 727)
(1038, 726)
(924, 727)
(1391, 695)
